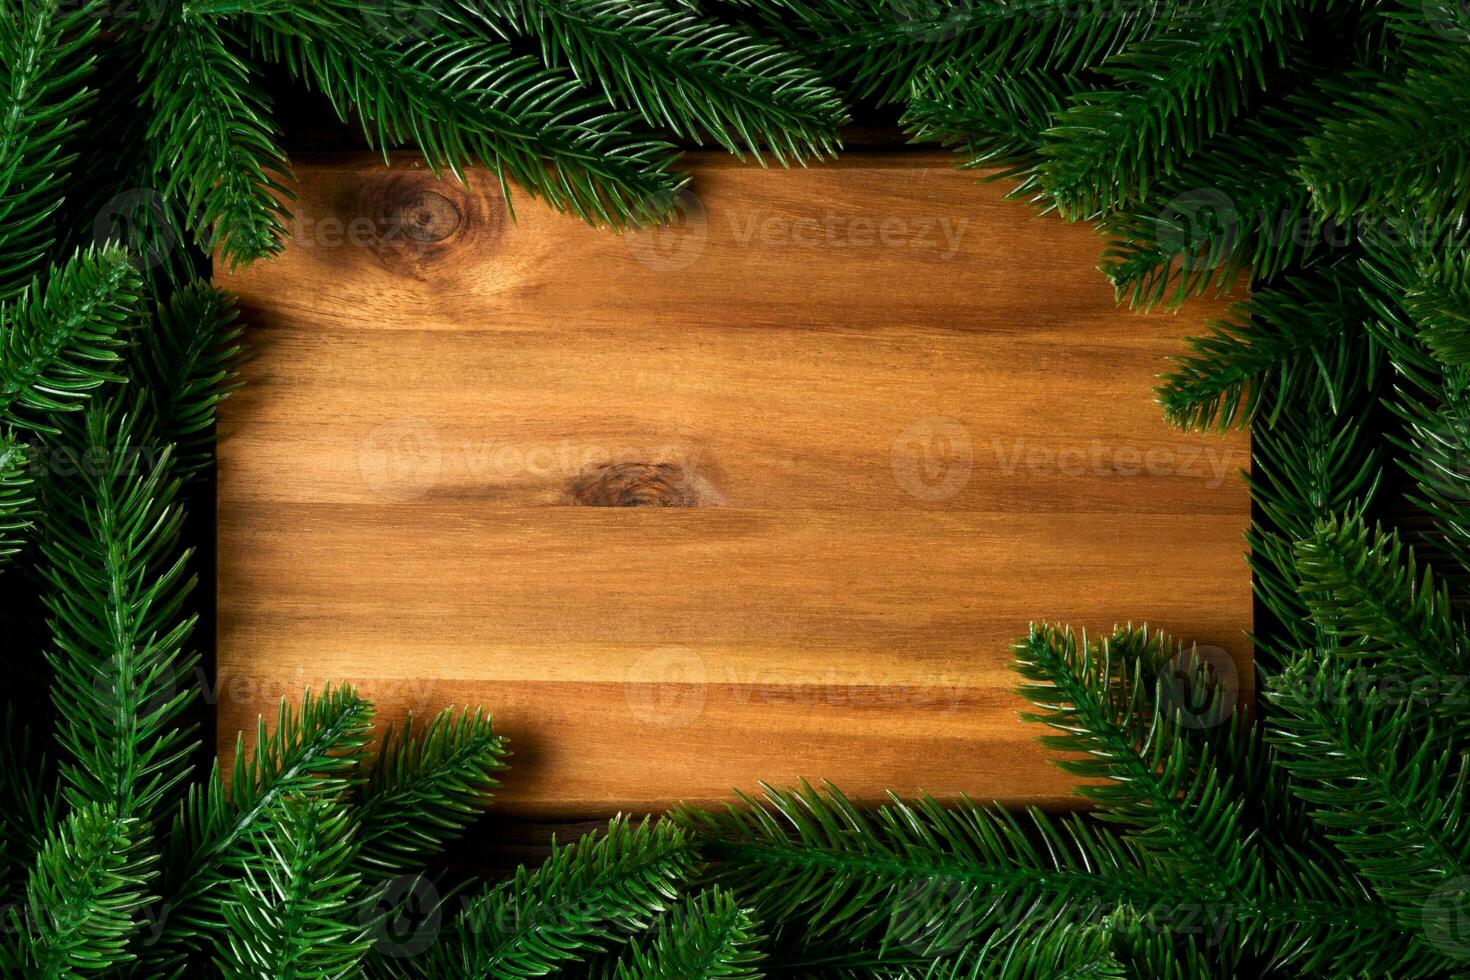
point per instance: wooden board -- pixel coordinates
(764, 495)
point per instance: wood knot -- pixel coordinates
(424, 216)
(638, 485)
(418, 218)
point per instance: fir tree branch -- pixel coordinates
(680, 71)
(1311, 464)
(879, 47)
(1078, 953)
(85, 894)
(1396, 143)
(995, 120)
(1176, 803)
(59, 343)
(916, 876)
(707, 937)
(1438, 302)
(223, 169)
(1168, 95)
(466, 99)
(45, 64)
(313, 751)
(293, 914)
(584, 893)
(17, 499)
(423, 790)
(118, 582)
(1432, 396)
(1384, 789)
(1304, 325)
(1364, 589)
(1231, 208)
(185, 363)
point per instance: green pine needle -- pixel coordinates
(215, 152)
(17, 499)
(1083, 953)
(1438, 301)
(1432, 395)
(1311, 465)
(707, 937)
(880, 47)
(62, 340)
(185, 362)
(467, 99)
(1380, 783)
(293, 915)
(86, 895)
(45, 63)
(424, 788)
(567, 909)
(995, 120)
(1167, 96)
(311, 751)
(1395, 143)
(118, 583)
(913, 877)
(682, 72)
(1306, 325)
(1107, 702)
(1366, 591)
(1232, 208)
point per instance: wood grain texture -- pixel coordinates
(761, 496)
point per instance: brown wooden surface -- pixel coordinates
(764, 496)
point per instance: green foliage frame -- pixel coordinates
(1321, 147)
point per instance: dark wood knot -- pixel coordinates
(423, 216)
(419, 219)
(637, 485)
